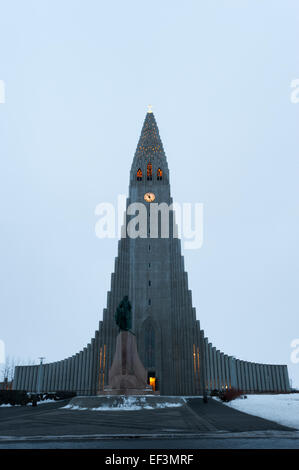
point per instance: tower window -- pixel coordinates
(149, 172)
(159, 174)
(149, 283)
(139, 175)
(149, 301)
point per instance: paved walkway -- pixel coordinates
(193, 422)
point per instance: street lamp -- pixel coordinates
(40, 374)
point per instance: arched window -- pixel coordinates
(159, 174)
(139, 175)
(149, 171)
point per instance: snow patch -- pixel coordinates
(283, 409)
(128, 404)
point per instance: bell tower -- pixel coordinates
(158, 287)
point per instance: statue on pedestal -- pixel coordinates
(123, 315)
(127, 375)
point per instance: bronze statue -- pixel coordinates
(123, 314)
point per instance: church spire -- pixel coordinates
(150, 143)
(149, 162)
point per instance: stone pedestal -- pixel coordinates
(127, 375)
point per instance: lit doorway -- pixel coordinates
(152, 380)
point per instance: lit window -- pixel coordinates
(159, 174)
(149, 171)
(139, 175)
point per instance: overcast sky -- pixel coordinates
(78, 77)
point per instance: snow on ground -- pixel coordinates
(42, 402)
(284, 408)
(129, 404)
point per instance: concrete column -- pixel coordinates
(54, 377)
(211, 367)
(68, 373)
(80, 385)
(241, 384)
(61, 375)
(275, 384)
(280, 382)
(23, 383)
(208, 375)
(222, 366)
(84, 370)
(246, 375)
(226, 367)
(263, 382)
(88, 375)
(72, 373)
(58, 376)
(65, 371)
(258, 378)
(93, 369)
(267, 377)
(233, 372)
(30, 378)
(16, 378)
(276, 378)
(281, 378)
(87, 384)
(238, 374)
(49, 378)
(214, 368)
(271, 384)
(254, 377)
(40, 377)
(18, 386)
(219, 370)
(46, 378)
(25, 378)
(75, 379)
(250, 376)
(286, 378)
(34, 379)
(77, 373)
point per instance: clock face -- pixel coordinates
(149, 197)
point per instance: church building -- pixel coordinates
(173, 348)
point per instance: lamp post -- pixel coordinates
(40, 375)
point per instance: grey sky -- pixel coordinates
(78, 76)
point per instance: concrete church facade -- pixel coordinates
(178, 356)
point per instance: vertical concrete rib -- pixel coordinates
(219, 370)
(208, 377)
(286, 378)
